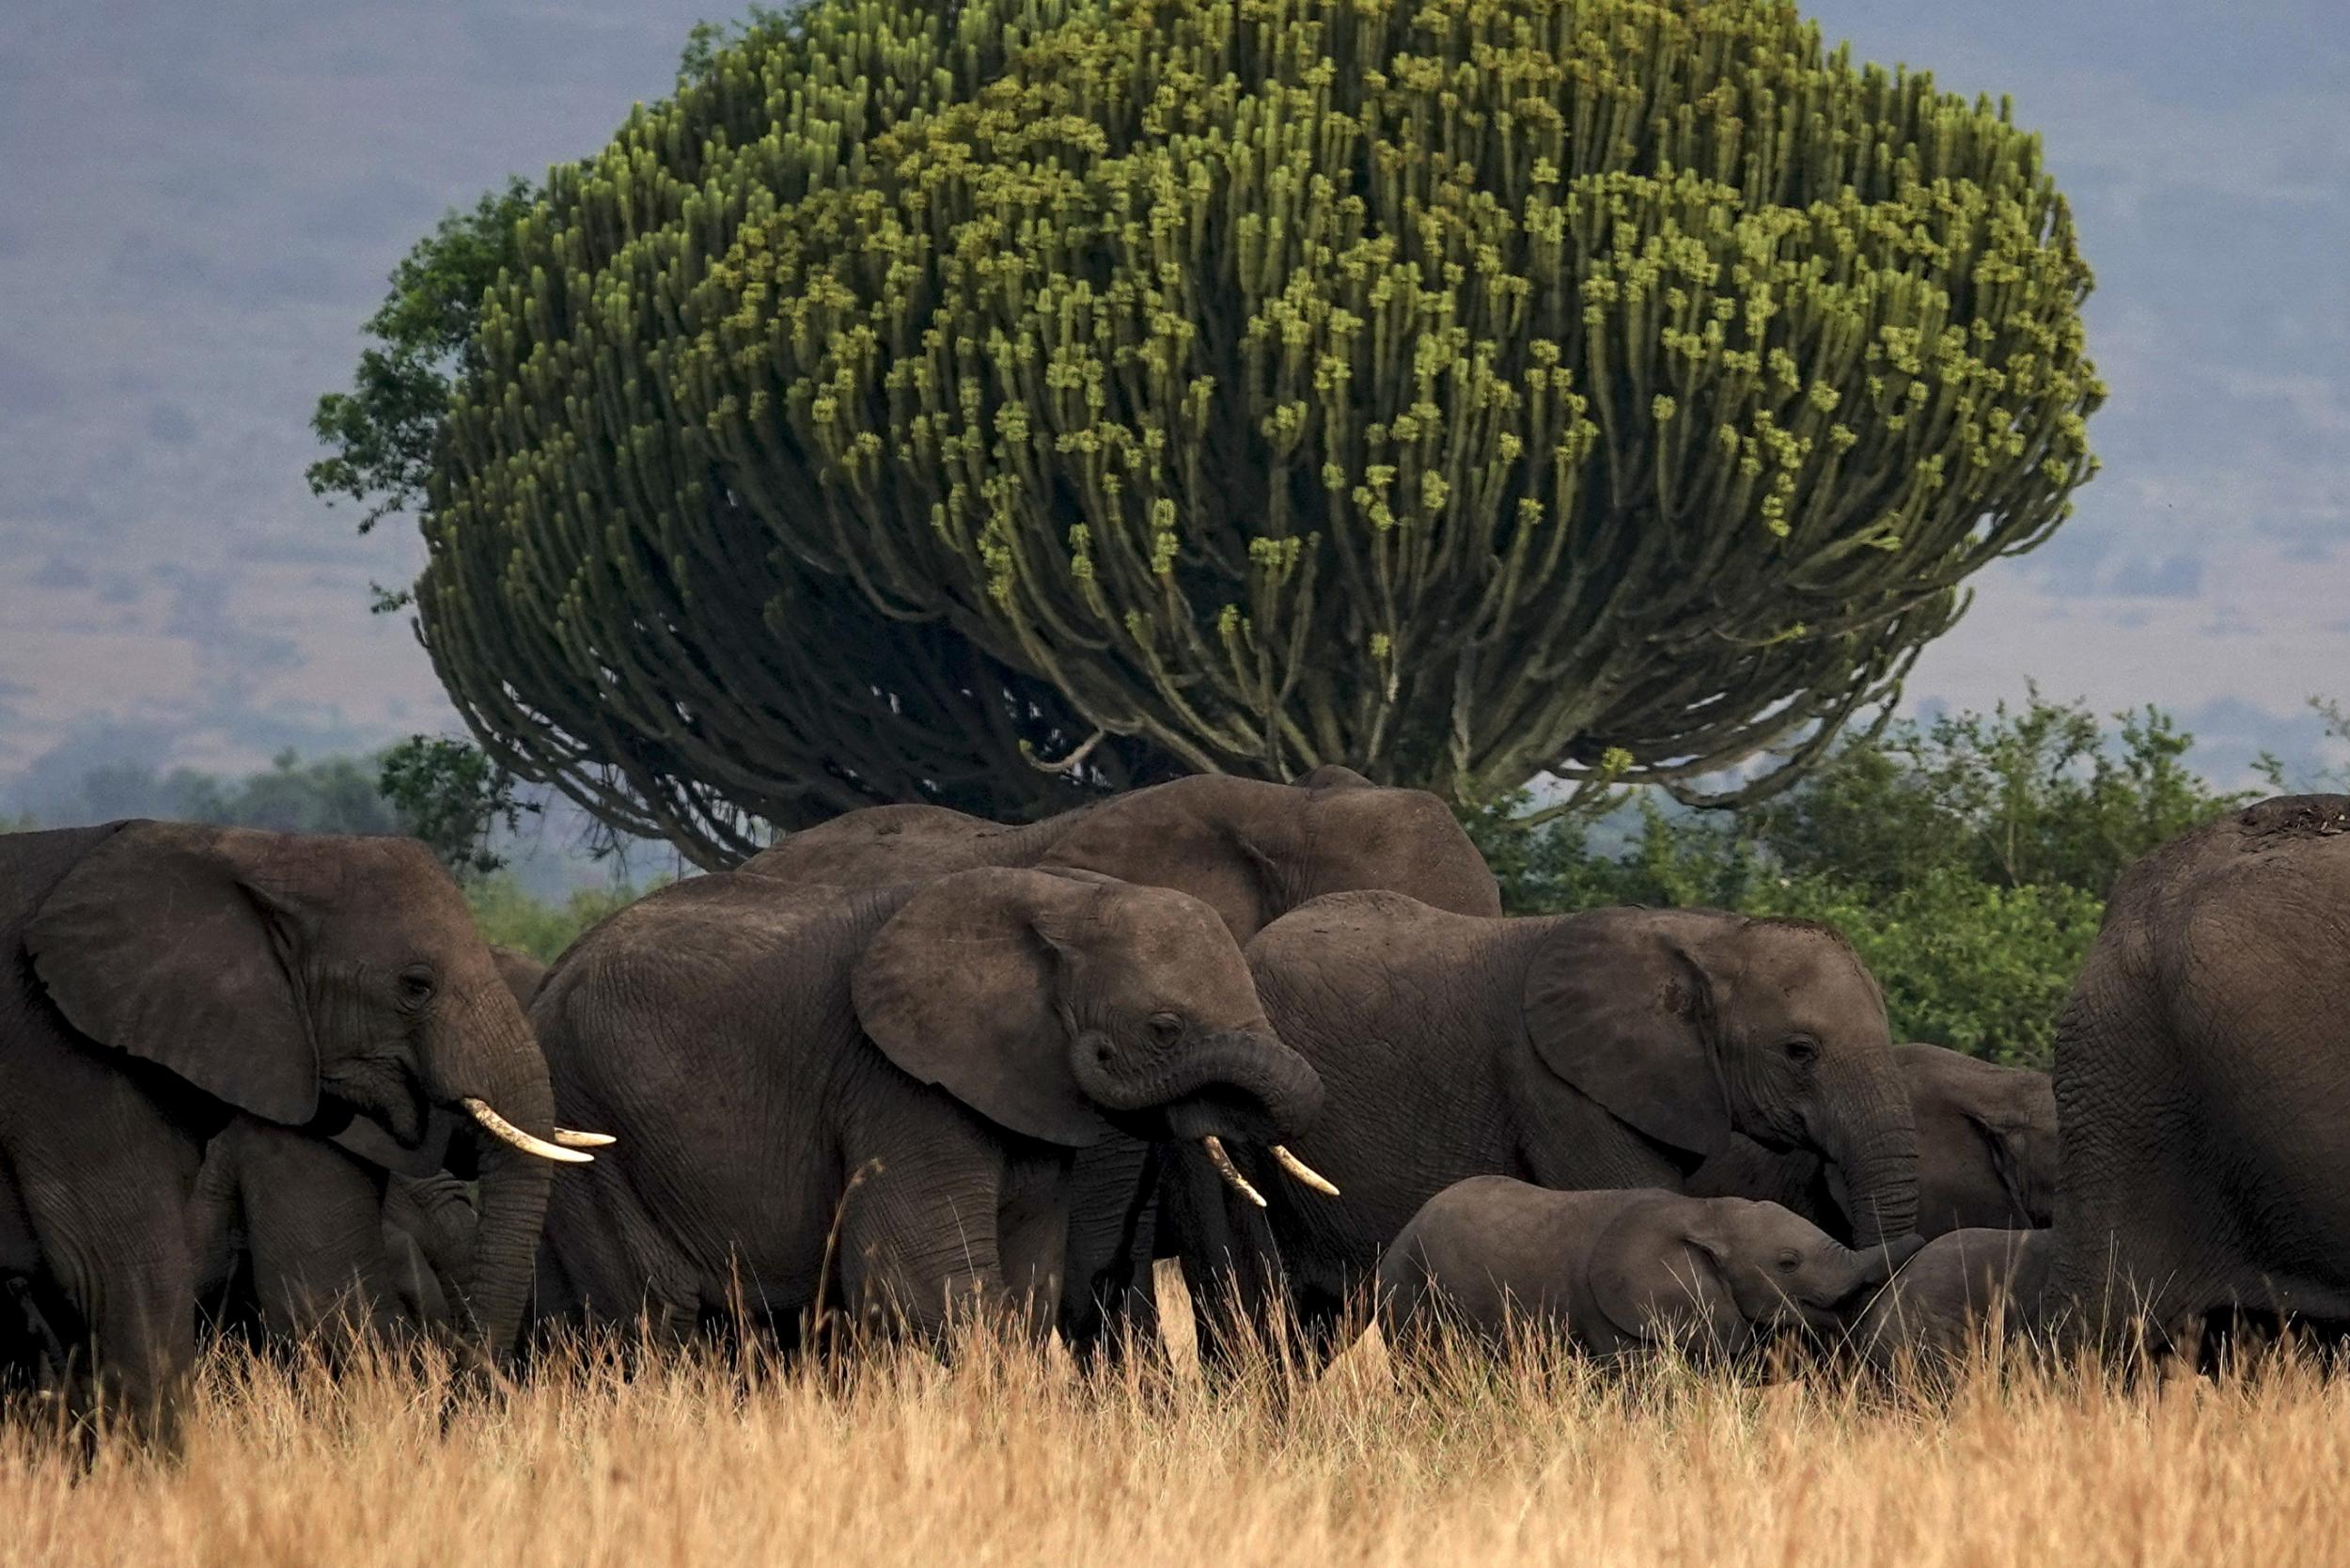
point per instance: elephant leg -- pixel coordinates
(314, 1225)
(1107, 1297)
(919, 1246)
(108, 1209)
(1032, 1238)
(608, 1265)
(1230, 1272)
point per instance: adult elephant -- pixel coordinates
(166, 976)
(1610, 1048)
(917, 1065)
(2202, 1077)
(1986, 1152)
(1250, 849)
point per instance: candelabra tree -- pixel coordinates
(1458, 391)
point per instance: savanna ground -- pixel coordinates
(1011, 1455)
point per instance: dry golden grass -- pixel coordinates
(1010, 1456)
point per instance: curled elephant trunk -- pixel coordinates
(1237, 1083)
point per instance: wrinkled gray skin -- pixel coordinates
(1933, 1308)
(166, 975)
(1618, 1271)
(299, 1238)
(1986, 1152)
(1612, 1048)
(1251, 849)
(2202, 1077)
(923, 1062)
(296, 1235)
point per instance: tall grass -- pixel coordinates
(1010, 1454)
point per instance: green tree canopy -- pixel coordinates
(1457, 391)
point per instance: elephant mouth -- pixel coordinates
(1246, 1122)
(1221, 1112)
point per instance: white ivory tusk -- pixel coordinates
(1305, 1172)
(570, 1139)
(1231, 1172)
(505, 1130)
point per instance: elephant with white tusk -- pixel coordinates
(1250, 849)
(164, 977)
(1610, 1048)
(921, 1064)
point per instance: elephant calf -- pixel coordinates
(875, 1096)
(300, 1237)
(1618, 1270)
(1960, 1280)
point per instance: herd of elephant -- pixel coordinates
(912, 1064)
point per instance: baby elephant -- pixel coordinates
(1962, 1280)
(1620, 1269)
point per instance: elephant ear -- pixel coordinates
(2014, 1156)
(1616, 1005)
(1656, 1272)
(166, 942)
(957, 988)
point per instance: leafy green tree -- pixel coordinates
(1462, 391)
(380, 434)
(450, 795)
(2335, 719)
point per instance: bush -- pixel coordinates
(511, 917)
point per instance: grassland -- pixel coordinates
(1010, 1455)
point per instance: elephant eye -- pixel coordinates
(415, 984)
(1801, 1049)
(1790, 1258)
(1165, 1027)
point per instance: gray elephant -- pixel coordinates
(165, 977)
(1612, 1048)
(1251, 849)
(1986, 1152)
(2202, 1078)
(1933, 1309)
(1617, 1271)
(917, 1065)
(296, 1236)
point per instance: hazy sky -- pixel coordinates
(201, 203)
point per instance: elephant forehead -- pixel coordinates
(1161, 936)
(1794, 961)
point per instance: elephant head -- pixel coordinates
(1252, 850)
(1063, 1006)
(1691, 1025)
(1725, 1269)
(332, 983)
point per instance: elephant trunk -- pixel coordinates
(489, 1057)
(1233, 1078)
(1878, 1153)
